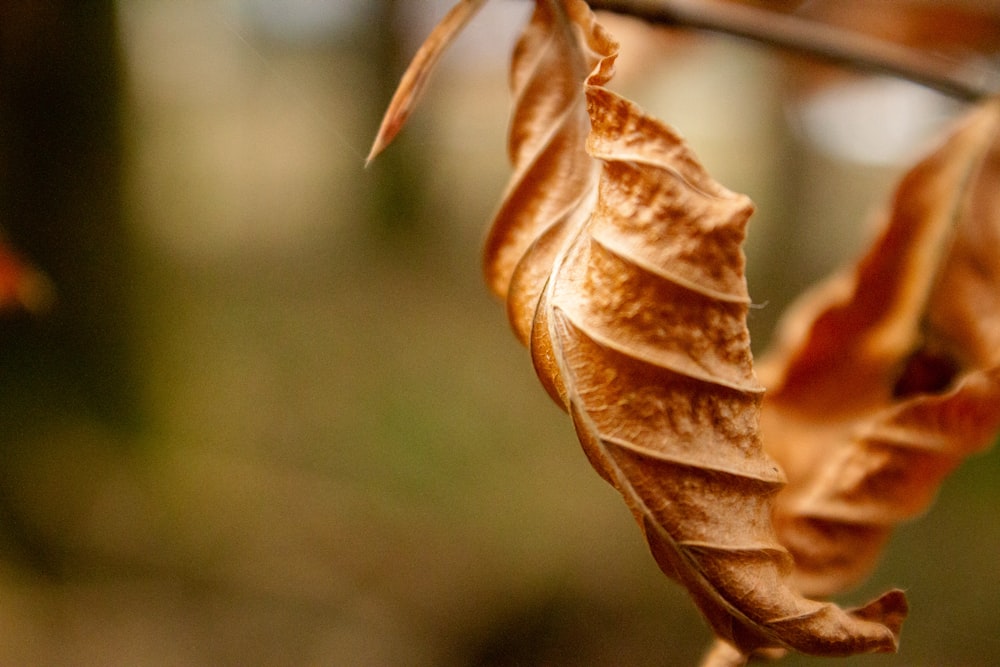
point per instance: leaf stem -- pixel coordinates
(793, 33)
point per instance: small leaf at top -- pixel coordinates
(417, 75)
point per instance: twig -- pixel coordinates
(814, 39)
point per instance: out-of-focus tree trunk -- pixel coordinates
(61, 207)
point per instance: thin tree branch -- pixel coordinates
(800, 35)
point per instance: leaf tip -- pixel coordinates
(417, 75)
(890, 609)
(376, 149)
(395, 119)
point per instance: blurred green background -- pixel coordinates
(275, 419)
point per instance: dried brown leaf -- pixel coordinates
(627, 280)
(887, 376)
(552, 188)
(417, 75)
(620, 260)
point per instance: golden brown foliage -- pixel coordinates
(417, 76)
(620, 261)
(888, 375)
(634, 302)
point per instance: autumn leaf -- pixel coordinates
(888, 375)
(621, 263)
(417, 75)
(640, 334)
(645, 343)
(552, 190)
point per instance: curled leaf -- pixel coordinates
(552, 188)
(620, 260)
(887, 376)
(417, 75)
(626, 278)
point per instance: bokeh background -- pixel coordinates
(273, 417)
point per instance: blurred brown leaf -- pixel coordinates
(955, 27)
(888, 375)
(963, 34)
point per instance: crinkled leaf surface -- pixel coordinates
(888, 375)
(633, 298)
(620, 260)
